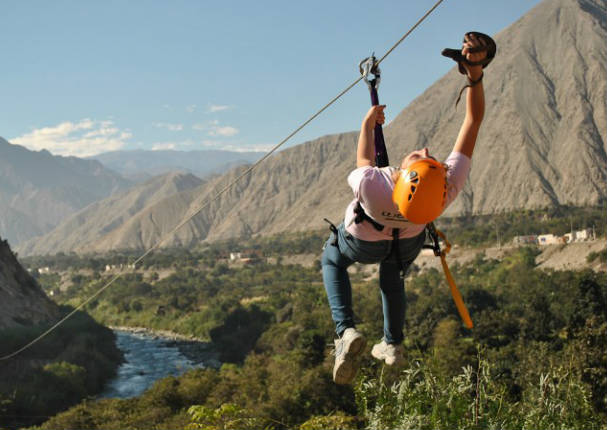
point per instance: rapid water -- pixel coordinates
(149, 358)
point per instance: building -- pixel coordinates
(583, 235)
(548, 239)
(580, 236)
(524, 240)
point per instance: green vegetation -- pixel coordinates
(178, 258)
(73, 362)
(601, 256)
(472, 230)
(535, 358)
(483, 230)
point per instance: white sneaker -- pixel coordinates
(348, 350)
(390, 353)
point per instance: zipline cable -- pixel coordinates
(219, 194)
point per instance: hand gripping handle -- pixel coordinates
(456, 54)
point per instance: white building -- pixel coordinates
(569, 237)
(579, 236)
(582, 235)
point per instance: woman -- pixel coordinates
(374, 223)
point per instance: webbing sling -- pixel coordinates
(366, 67)
(369, 66)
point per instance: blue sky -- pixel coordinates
(84, 77)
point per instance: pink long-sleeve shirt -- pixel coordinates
(373, 186)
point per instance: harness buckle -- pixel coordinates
(369, 66)
(435, 242)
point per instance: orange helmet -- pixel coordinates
(421, 191)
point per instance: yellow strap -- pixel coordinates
(457, 297)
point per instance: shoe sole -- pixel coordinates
(346, 371)
(381, 357)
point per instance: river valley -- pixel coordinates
(149, 357)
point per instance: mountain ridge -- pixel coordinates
(22, 301)
(38, 189)
(541, 143)
(136, 164)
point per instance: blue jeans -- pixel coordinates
(337, 259)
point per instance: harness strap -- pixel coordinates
(470, 84)
(396, 250)
(334, 231)
(457, 297)
(362, 216)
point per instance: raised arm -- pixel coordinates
(365, 153)
(475, 100)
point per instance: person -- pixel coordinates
(375, 229)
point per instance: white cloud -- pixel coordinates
(174, 145)
(81, 139)
(236, 148)
(169, 126)
(190, 108)
(218, 108)
(214, 129)
(226, 131)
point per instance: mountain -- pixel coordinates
(542, 143)
(140, 164)
(543, 139)
(22, 301)
(39, 190)
(91, 223)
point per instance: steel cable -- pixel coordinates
(219, 194)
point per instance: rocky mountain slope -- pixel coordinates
(39, 190)
(99, 218)
(140, 164)
(22, 301)
(542, 143)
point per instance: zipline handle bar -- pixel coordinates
(366, 67)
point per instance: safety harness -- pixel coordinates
(367, 67)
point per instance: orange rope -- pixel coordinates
(457, 297)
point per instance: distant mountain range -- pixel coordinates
(542, 144)
(39, 190)
(112, 214)
(141, 165)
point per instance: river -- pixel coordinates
(150, 357)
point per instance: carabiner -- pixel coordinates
(369, 66)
